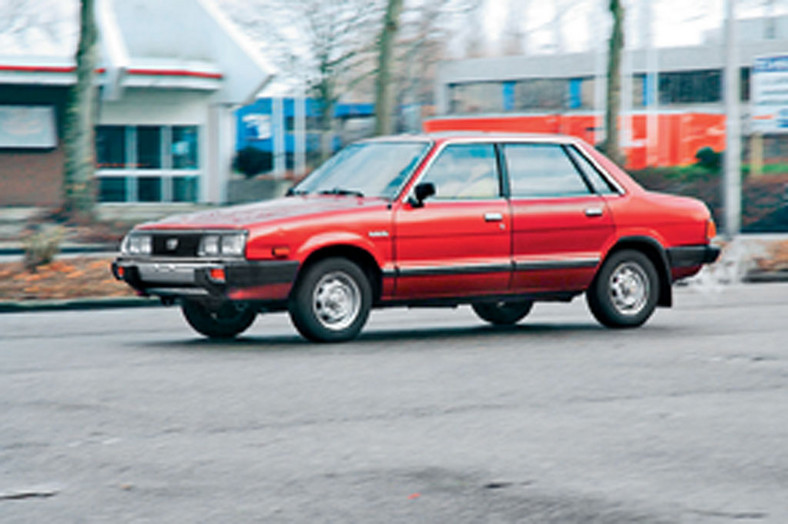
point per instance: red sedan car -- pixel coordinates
(495, 221)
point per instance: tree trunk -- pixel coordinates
(79, 140)
(616, 45)
(326, 93)
(384, 99)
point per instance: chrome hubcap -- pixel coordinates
(336, 300)
(629, 288)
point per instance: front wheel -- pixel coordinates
(331, 301)
(625, 291)
(502, 313)
(229, 320)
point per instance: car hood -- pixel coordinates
(240, 216)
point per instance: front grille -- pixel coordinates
(185, 244)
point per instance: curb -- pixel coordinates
(65, 250)
(79, 304)
(760, 277)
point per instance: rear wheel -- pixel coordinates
(331, 301)
(229, 320)
(625, 291)
(502, 313)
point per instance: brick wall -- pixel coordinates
(31, 178)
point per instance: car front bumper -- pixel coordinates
(219, 280)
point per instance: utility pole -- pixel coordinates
(652, 83)
(732, 178)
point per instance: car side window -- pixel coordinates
(542, 171)
(465, 171)
(600, 184)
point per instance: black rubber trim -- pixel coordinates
(251, 274)
(689, 256)
(453, 270)
(556, 264)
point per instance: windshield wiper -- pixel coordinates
(296, 192)
(340, 191)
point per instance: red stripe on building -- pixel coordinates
(175, 72)
(43, 69)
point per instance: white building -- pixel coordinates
(169, 76)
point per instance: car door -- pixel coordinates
(560, 220)
(458, 242)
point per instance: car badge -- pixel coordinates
(172, 244)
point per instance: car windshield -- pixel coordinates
(372, 169)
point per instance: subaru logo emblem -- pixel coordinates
(172, 244)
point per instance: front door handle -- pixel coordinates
(493, 217)
(594, 212)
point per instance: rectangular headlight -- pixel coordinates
(209, 246)
(222, 244)
(137, 244)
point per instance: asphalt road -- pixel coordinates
(127, 416)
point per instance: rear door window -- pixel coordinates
(542, 171)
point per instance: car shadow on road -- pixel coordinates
(385, 337)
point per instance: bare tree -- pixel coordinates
(616, 44)
(323, 44)
(425, 36)
(80, 115)
(513, 37)
(18, 17)
(384, 100)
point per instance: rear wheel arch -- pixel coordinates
(657, 255)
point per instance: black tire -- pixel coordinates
(331, 301)
(625, 291)
(502, 313)
(228, 321)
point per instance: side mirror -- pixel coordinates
(421, 193)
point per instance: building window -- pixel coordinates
(111, 147)
(149, 147)
(690, 87)
(541, 94)
(476, 97)
(148, 163)
(588, 93)
(184, 147)
(112, 189)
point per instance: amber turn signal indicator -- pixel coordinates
(280, 251)
(711, 229)
(217, 274)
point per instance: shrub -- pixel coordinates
(251, 161)
(709, 158)
(41, 246)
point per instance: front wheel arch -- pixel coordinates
(362, 258)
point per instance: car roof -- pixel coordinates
(484, 136)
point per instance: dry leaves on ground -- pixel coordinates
(67, 278)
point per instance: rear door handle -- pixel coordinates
(493, 217)
(594, 212)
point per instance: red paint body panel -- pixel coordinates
(559, 230)
(453, 236)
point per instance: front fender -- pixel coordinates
(343, 239)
